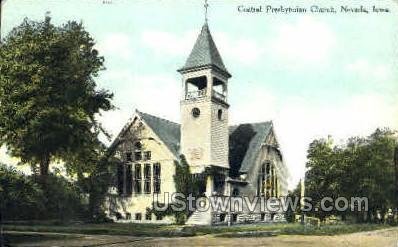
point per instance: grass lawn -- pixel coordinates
(17, 238)
(105, 229)
(287, 229)
(179, 231)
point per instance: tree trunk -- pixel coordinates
(369, 216)
(358, 217)
(1, 224)
(44, 165)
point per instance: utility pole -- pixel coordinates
(302, 194)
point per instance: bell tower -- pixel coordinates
(204, 107)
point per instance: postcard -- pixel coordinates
(221, 123)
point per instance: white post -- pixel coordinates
(302, 194)
(209, 185)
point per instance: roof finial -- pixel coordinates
(206, 6)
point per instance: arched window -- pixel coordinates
(269, 177)
(261, 181)
(265, 182)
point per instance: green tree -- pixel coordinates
(375, 171)
(396, 178)
(363, 167)
(97, 183)
(49, 99)
(321, 174)
(20, 197)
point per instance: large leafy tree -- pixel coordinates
(49, 99)
(321, 177)
(374, 172)
(363, 167)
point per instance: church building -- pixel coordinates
(245, 159)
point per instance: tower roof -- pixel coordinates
(204, 54)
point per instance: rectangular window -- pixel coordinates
(137, 179)
(222, 217)
(148, 216)
(234, 217)
(129, 180)
(159, 217)
(129, 157)
(261, 184)
(137, 156)
(120, 179)
(147, 155)
(147, 179)
(138, 216)
(156, 178)
(128, 216)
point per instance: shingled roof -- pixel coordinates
(167, 131)
(204, 53)
(245, 140)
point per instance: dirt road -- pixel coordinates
(380, 238)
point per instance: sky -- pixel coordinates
(312, 74)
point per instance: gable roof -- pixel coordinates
(245, 139)
(167, 131)
(245, 144)
(204, 53)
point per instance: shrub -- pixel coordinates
(22, 198)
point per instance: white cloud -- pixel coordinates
(307, 41)
(161, 96)
(369, 70)
(299, 121)
(242, 50)
(155, 94)
(260, 106)
(162, 42)
(117, 45)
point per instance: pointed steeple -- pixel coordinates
(204, 54)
